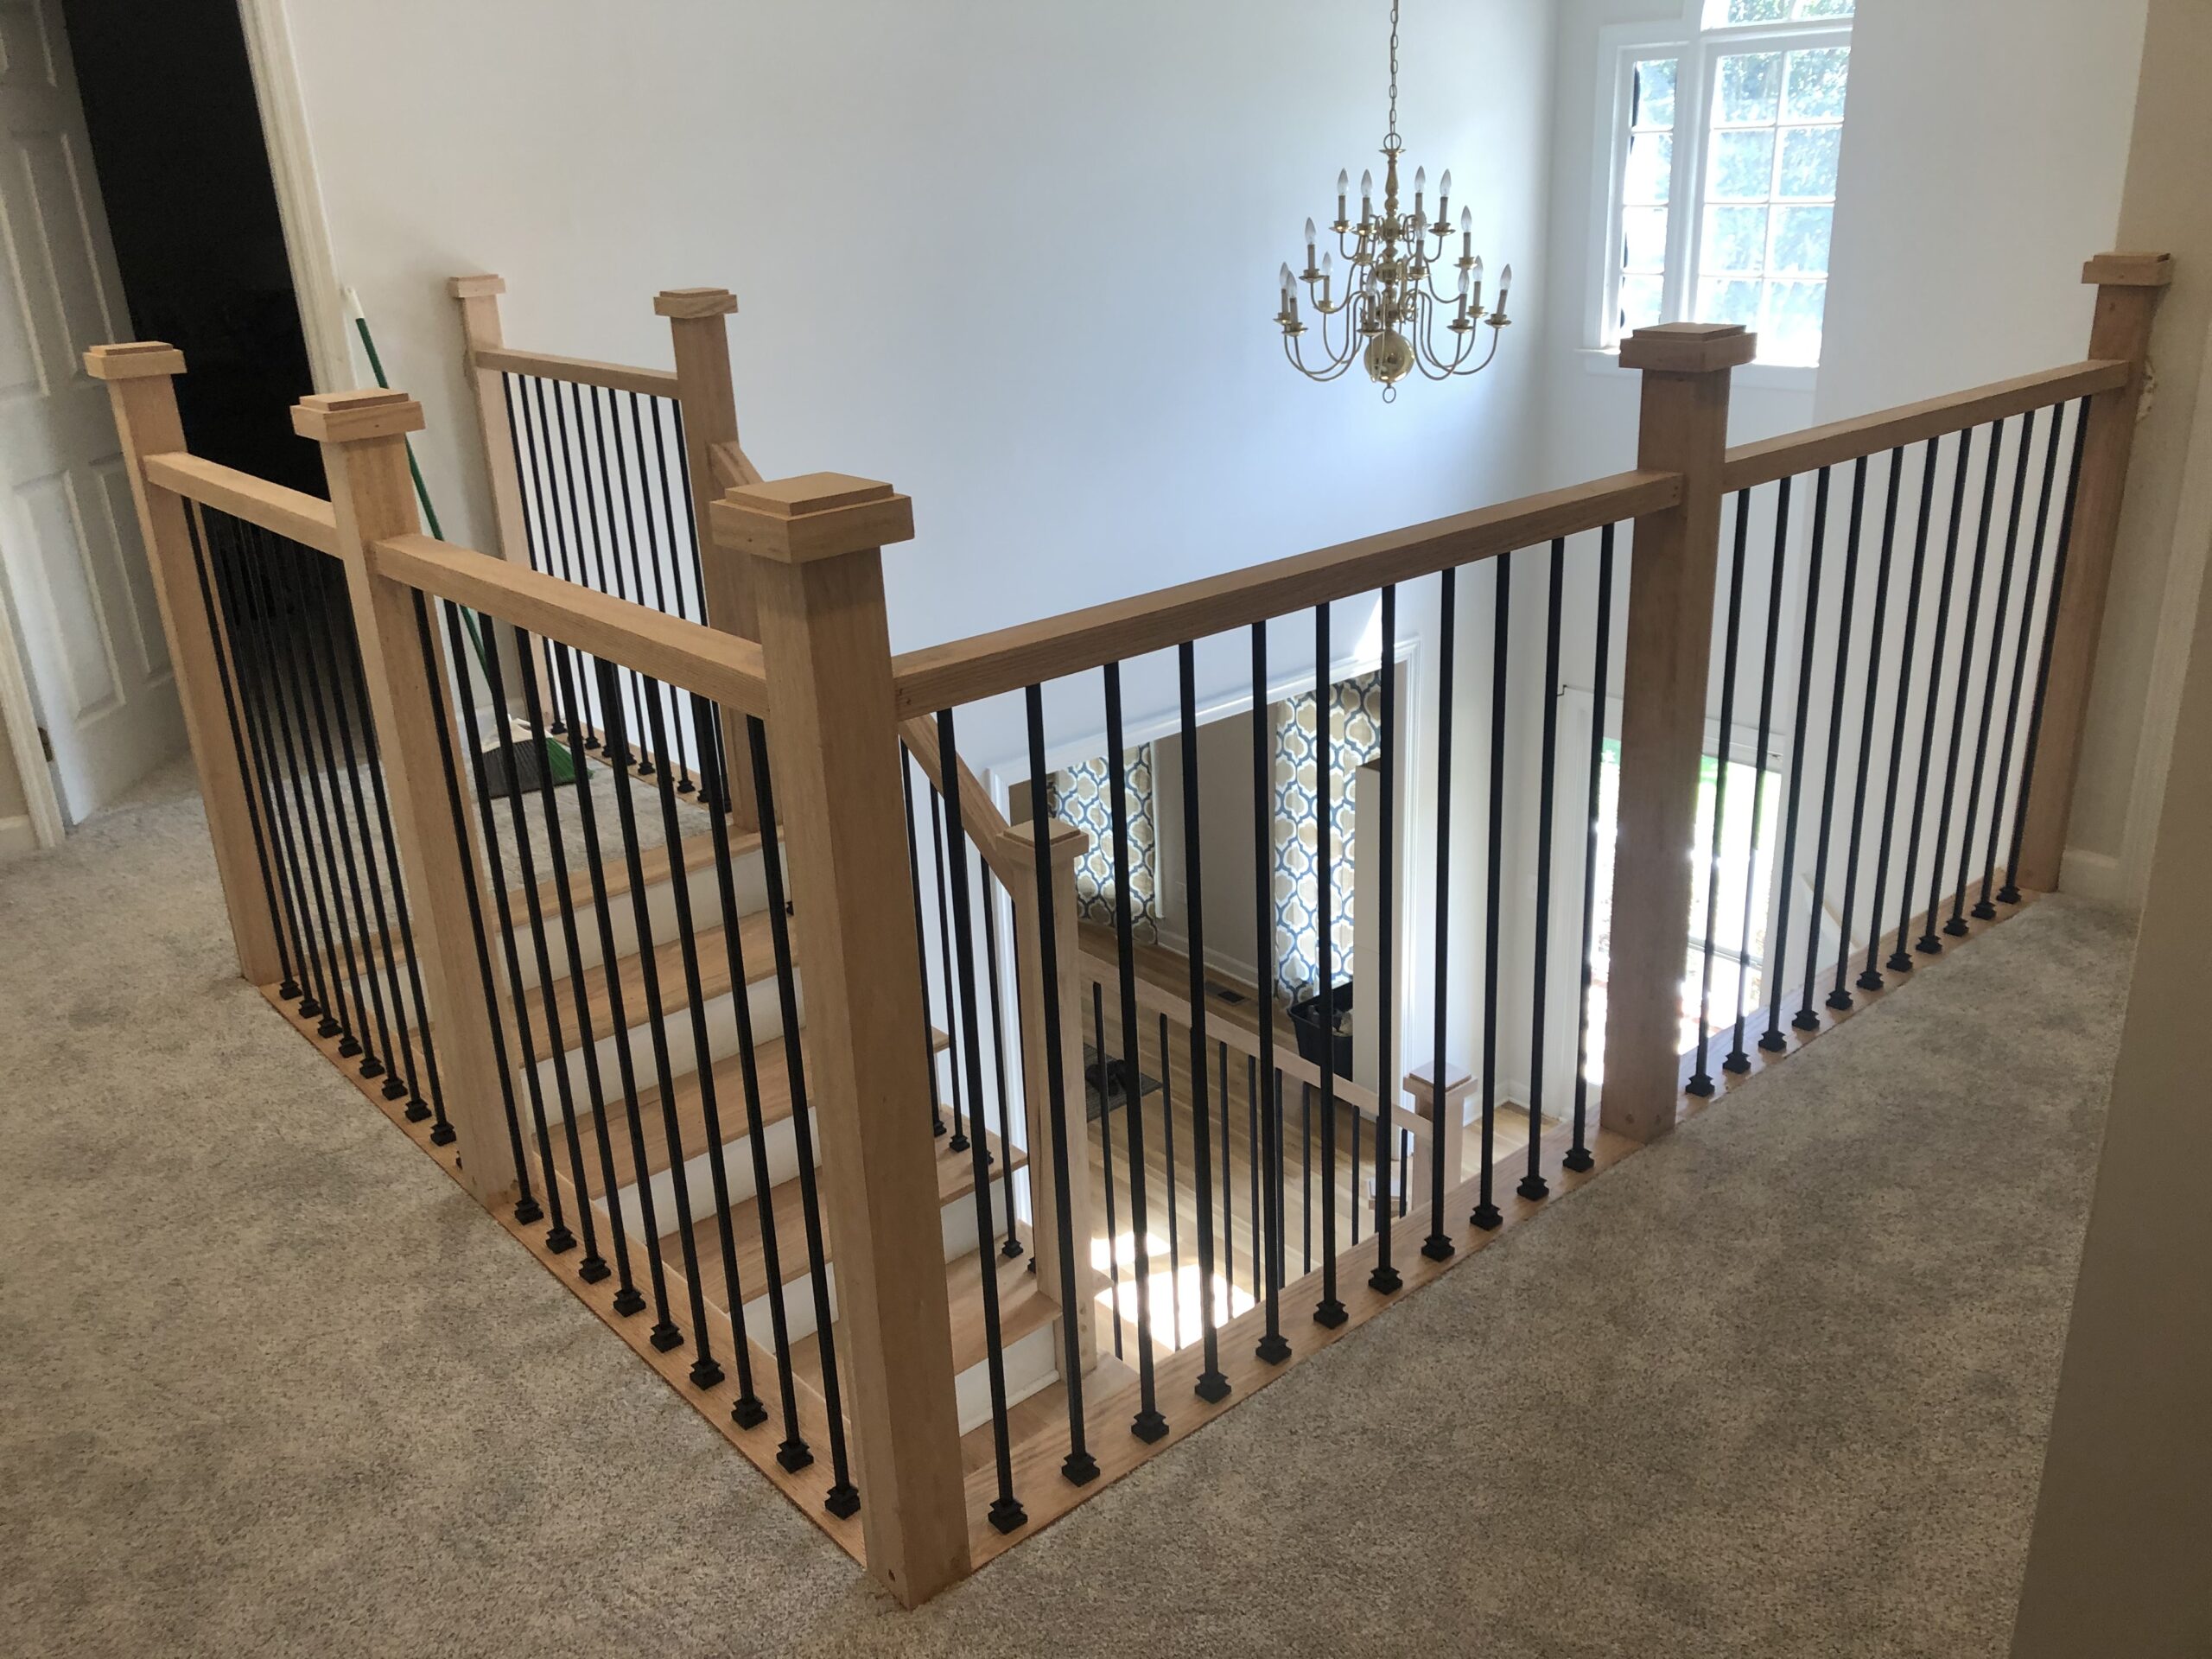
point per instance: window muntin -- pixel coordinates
(1647, 181)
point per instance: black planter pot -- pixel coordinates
(1322, 1039)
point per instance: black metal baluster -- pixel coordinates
(715, 790)
(345, 984)
(593, 1267)
(1306, 1175)
(2010, 894)
(1807, 1020)
(589, 513)
(1929, 943)
(1869, 977)
(1983, 910)
(844, 1498)
(627, 1301)
(690, 518)
(1439, 1244)
(1105, 1068)
(921, 937)
(341, 656)
(1839, 998)
(1533, 1185)
(526, 1209)
(559, 1239)
(1330, 1311)
(1227, 1183)
(241, 674)
(1739, 1059)
(1901, 959)
(1148, 1425)
(1957, 924)
(1385, 1277)
(1272, 1346)
(748, 1411)
(546, 493)
(1006, 1511)
(959, 1141)
(1212, 1385)
(1012, 1246)
(1700, 1082)
(1174, 1225)
(1079, 1467)
(1774, 1042)
(1261, 1266)
(1486, 1214)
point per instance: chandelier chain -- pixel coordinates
(1390, 139)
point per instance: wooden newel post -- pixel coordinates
(364, 439)
(479, 299)
(1066, 848)
(141, 389)
(814, 543)
(1684, 429)
(2128, 288)
(713, 462)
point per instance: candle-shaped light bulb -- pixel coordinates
(1366, 189)
(1309, 245)
(1327, 265)
(1467, 231)
(1504, 283)
(1287, 283)
(1475, 284)
(1420, 189)
(1444, 193)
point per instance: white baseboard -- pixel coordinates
(2085, 874)
(18, 835)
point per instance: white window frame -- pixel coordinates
(1697, 49)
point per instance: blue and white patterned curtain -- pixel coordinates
(1356, 737)
(1084, 796)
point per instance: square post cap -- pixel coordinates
(815, 516)
(1689, 347)
(2130, 270)
(1065, 843)
(693, 302)
(137, 360)
(475, 288)
(356, 416)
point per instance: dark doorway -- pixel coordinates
(177, 144)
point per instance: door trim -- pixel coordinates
(299, 193)
(19, 727)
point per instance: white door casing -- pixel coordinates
(69, 544)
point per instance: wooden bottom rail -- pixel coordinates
(808, 1488)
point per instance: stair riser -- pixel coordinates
(703, 890)
(1031, 1362)
(780, 1139)
(682, 1055)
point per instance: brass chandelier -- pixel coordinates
(1387, 318)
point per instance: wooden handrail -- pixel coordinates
(548, 366)
(1750, 465)
(966, 670)
(700, 659)
(980, 818)
(292, 514)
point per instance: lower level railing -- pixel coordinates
(961, 1074)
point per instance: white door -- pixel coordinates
(82, 597)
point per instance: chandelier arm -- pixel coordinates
(1320, 376)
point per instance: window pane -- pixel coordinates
(1641, 299)
(1758, 11)
(1721, 301)
(1750, 90)
(1792, 331)
(1650, 168)
(1809, 158)
(1652, 94)
(1824, 7)
(1644, 239)
(1801, 240)
(1816, 83)
(1735, 240)
(1743, 167)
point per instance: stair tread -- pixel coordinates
(755, 941)
(954, 1179)
(1024, 1308)
(772, 1068)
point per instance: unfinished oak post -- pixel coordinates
(1685, 430)
(142, 390)
(2128, 288)
(713, 462)
(814, 543)
(364, 439)
(1066, 848)
(479, 298)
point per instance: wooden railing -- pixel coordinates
(790, 655)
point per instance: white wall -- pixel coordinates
(1018, 260)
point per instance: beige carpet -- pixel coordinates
(269, 1384)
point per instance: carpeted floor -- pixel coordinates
(271, 1385)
